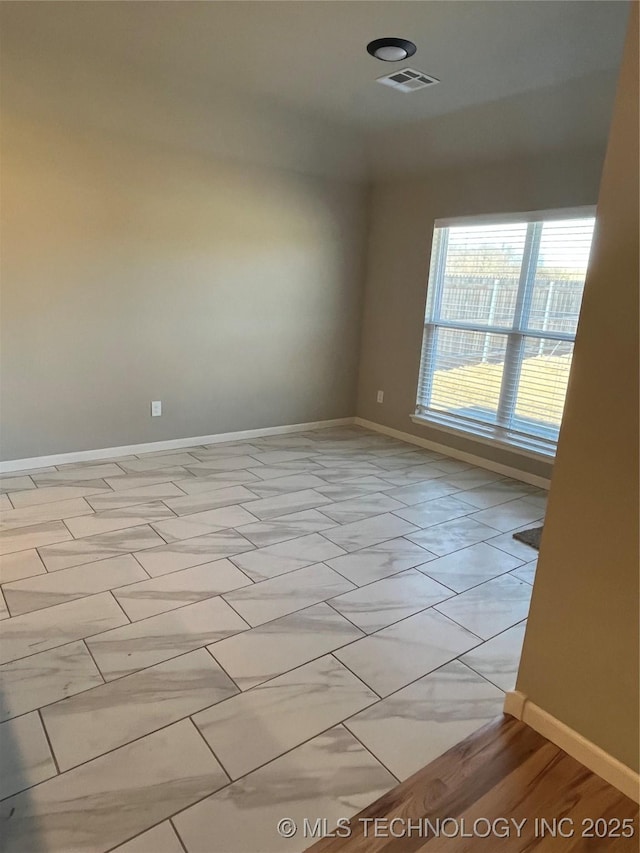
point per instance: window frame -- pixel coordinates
(502, 432)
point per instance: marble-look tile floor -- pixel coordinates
(195, 644)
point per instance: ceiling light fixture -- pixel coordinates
(391, 49)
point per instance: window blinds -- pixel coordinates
(502, 310)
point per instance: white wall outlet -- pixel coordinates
(380, 397)
(156, 408)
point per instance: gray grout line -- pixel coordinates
(426, 675)
(504, 551)
(404, 618)
(361, 586)
(109, 751)
(95, 662)
(178, 486)
(479, 674)
(178, 836)
(355, 675)
(208, 745)
(120, 607)
(46, 734)
(499, 634)
(217, 662)
(371, 753)
(239, 615)
(220, 595)
(299, 665)
(338, 572)
(133, 740)
(3, 598)
(130, 621)
(133, 554)
(524, 580)
(281, 755)
(119, 678)
(487, 541)
(335, 610)
(73, 538)
(37, 550)
(268, 680)
(235, 565)
(28, 788)
(364, 547)
(431, 578)
(473, 586)
(109, 589)
(468, 630)
(142, 832)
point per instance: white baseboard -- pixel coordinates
(596, 759)
(480, 461)
(514, 702)
(154, 446)
(13, 465)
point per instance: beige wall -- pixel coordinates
(134, 271)
(402, 216)
(580, 659)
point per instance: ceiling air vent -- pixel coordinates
(408, 80)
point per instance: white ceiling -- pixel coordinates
(310, 56)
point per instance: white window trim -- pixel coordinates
(523, 446)
(585, 211)
(494, 434)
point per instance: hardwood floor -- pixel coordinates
(501, 783)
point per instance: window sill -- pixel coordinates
(519, 445)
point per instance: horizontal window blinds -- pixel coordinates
(502, 310)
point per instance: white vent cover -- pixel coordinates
(408, 80)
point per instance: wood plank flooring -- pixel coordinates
(502, 773)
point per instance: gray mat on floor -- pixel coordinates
(530, 537)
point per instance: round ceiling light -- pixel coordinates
(391, 49)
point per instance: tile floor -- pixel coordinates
(195, 644)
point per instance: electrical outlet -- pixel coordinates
(380, 397)
(156, 408)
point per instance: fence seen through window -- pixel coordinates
(502, 310)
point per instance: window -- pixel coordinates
(502, 309)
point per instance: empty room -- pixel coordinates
(319, 426)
